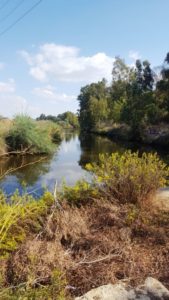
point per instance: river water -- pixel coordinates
(66, 164)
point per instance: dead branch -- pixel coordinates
(20, 167)
(107, 257)
(22, 152)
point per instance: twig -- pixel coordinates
(17, 152)
(55, 196)
(20, 167)
(98, 260)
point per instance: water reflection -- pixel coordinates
(67, 163)
(92, 145)
(63, 165)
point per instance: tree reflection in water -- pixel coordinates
(68, 162)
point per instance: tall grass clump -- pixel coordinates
(129, 177)
(50, 129)
(25, 135)
(5, 125)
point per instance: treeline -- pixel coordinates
(67, 119)
(137, 97)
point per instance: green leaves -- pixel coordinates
(16, 217)
(32, 137)
(129, 177)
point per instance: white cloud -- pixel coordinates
(48, 92)
(65, 64)
(12, 104)
(134, 55)
(7, 87)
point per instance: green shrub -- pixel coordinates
(80, 193)
(5, 126)
(128, 177)
(30, 136)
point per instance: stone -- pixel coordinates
(152, 289)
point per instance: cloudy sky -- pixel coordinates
(63, 45)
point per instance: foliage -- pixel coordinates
(50, 130)
(17, 215)
(67, 119)
(77, 235)
(162, 91)
(82, 192)
(53, 291)
(137, 96)
(93, 101)
(128, 177)
(29, 136)
(5, 126)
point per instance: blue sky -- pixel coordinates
(65, 44)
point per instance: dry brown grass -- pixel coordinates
(94, 245)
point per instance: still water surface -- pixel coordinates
(67, 163)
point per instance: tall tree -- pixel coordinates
(91, 98)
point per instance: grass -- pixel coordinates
(5, 126)
(17, 215)
(50, 129)
(41, 292)
(25, 135)
(53, 248)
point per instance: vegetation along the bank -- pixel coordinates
(25, 135)
(67, 120)
(134, 106)
(87, 235)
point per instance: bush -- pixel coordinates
(17, 216)
(5, 126)
(82, 192)
(128, 177)
(51, 130)
(26, 135)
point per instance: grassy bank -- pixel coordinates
(25, 136)
(87, 235)
(155, 135)
(114, 131)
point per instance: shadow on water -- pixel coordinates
(67, 163)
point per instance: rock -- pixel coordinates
(161, 199)
(151, 290)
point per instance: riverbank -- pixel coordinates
(54, 248)
(154, 135)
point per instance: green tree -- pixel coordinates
(122, 75)
(92, 99)
(162, 91)
(140, 107)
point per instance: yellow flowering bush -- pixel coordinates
(80, 193)
(17, 215)
(129, 177)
